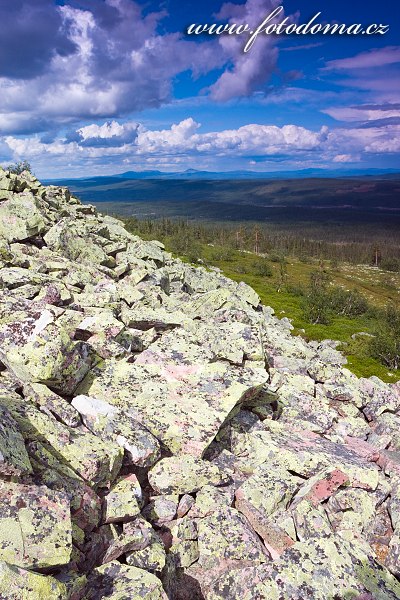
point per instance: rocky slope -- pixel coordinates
(163, 435)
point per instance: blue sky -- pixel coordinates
(103, 86)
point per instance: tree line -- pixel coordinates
(184, 236)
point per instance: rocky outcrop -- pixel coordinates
(163, 435)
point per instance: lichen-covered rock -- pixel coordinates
(14, 459)
(310, 521)
(36, 349)
(378, 397)
(182, 403)
(318, 568)
(161, 509)
(88, 456)
(151, 558)
(18, 584)
(155, 414)
(267, 489)
(50, 401)
(109, 423)
(184, 474)
(351, 510)
(20, 218)
(85, 504)
(122, 503)
(225, 540)
(276, 535)
(227, 535)
(392, 559)
(185, 504)
(35, 526)
(118, 581)
(210, 498)
(135, 535)
(304, 453)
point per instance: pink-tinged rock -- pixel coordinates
(392, 559)
(317, 569)
(302, 452)
(275, 539)
(362, 448)
(389, 462)
(176, 391)
(321, 486)
(185, 504)
(85, 503)
(379, 531)
(86, 507)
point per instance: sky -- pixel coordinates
(96, 87)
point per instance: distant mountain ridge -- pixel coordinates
(243, 174)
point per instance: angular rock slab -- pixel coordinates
(35, 526)
(321, 569)
(110, 423)
(119, 582)
(14, 459)
(122, 502)
(20, 218)
(85, 454)
(184, 475)
(152, 558)
(183, 405)
(19, 584)
(225, 541)
(267, 489)
(36, 349)
(226, 534)
(289, 448)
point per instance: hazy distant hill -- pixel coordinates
(221, 175)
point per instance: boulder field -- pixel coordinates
(163, 435)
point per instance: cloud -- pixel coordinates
(251, 70)
(301, 47)
(32, 34)
(345, 158)
(90, 147)
(377, 57)
(183, 138)
(71, 61)
(376, 73)
(109, 62)
(374, 140)
(130, 140)
(109, 134)
(367, 112)
(180, 138)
